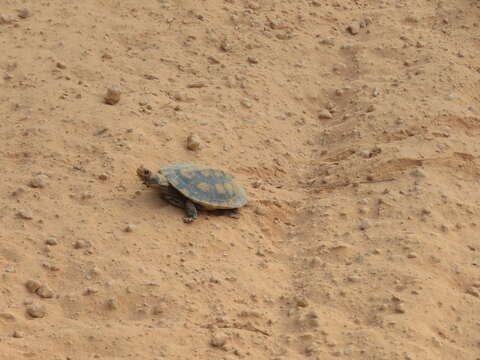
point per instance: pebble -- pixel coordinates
(23, 13)
(219, 339)
(112, 304)
(418, 173)
(130, 228)
(6, 19)
(113, 95)
(25, 214)
(325, 114)
(103, 177)
(90, 291)
(36, 311)
(52, 241)
(87, 195)
(18, 334)
(7, 317)
(354, 28)
(364, 154)
(39, 181)
(194, 142)
(302, 302)
(45, 292)
(399, 308)
(61, 65)
(32, 285)
(80, 244)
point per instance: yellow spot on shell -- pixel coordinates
(186, 173)
(220, 188)
(229, 188)
(204, 187)
(206, 172)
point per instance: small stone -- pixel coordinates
(194, 142)
(472, 291)
(252, 60)
(325, 114)
(219, 339)
(247, 103)
(365, 154)
(371, 108)
(354, 28)
(45, 292)
(130, 228)
(32, 285)
(112, 304)
(225, 46)
(80, 244)
(7, 317)
(103, 177)
(158, 310)
(61, 65)
(25, 214)
(39, 181)
(52, 241)
(23, 13)
(302, 302)
(412, 255)
(364, 225)
(419, 173)
(87, 195)
(6, 19)
(399, 308)
(18, 334)
(90, 291)
(113, 95)
(36, 311)
(197, 85)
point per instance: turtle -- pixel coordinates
(193, 186)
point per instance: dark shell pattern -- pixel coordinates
(209, 187)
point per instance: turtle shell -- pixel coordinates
(209, 187)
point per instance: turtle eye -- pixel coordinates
(147, 172)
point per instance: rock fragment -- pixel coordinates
(6, 19)
(36, 311)
(18, 334)
(32, 285)
(130, 228)
(219, 339)
(52, 241)
(45, 292)
(354, 27)
(25, 214)
(113, 95)
(23, 13)
(39, 181)
(325, 114)
(194, 142)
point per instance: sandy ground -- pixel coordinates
(353, 126)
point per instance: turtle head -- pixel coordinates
(156, 180)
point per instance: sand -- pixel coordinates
(352, 125)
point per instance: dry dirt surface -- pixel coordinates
(353, 126)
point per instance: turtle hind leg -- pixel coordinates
(191, 211)
(233, 213)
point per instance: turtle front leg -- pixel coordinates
(191, 211)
